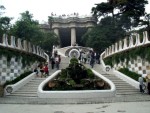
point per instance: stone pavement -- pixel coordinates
(123, 107)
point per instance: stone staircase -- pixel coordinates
(122, 87)
(30, 89)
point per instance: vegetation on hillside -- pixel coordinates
(116, 18)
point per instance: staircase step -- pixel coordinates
(128, 93)
(23, 95)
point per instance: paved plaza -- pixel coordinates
(123, 107)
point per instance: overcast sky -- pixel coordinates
(41, 9)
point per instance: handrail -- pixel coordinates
(14, 87)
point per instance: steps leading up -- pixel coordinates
(122, 87)
(30, 89)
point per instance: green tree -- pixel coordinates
(146, 22)
(47, 40)
(29, 29)
(131, 10)
(1, 8)
(5, 24)
(26, 27)
(103, 35)
(102, 9)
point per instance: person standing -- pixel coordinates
(57, 61)
(41, 70)
(92, 60)
(46, 69)
(148, 83)
(141, 83)
(52, 62)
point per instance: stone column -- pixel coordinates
(19, 43)
(56, 31)
(13, 41)
(73, 36)
(25, 45)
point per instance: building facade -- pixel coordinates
(70, 29)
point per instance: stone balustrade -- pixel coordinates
(21, 45)
(128, 43)
(73, 19)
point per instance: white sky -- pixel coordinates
(41, 9)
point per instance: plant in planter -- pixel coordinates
(75, 77)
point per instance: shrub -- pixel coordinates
(129, 73)
(74, 60)
(22, 76)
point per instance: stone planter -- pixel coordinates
(1, 91)
(74, 96)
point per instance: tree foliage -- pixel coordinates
(131, 10)
(4, 22)
(103, 35)
(116, 18)
(28, 29)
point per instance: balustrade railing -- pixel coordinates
(21, 45)
(128, 43)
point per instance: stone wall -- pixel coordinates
(138, 65)
(9, 70)
(12, 52)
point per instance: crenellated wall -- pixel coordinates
(17, 56)
(128, 43)
(20, 45)
(123, 48)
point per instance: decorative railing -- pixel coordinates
(74, 19)
(20, 45)
(128, 43)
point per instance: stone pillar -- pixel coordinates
(56, 31)
(5, 43)
(25, 45)
(13, 42)
(73, 36)
(29, 47)
(19, 43)
(34, 50)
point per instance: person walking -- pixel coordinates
(141, 83)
